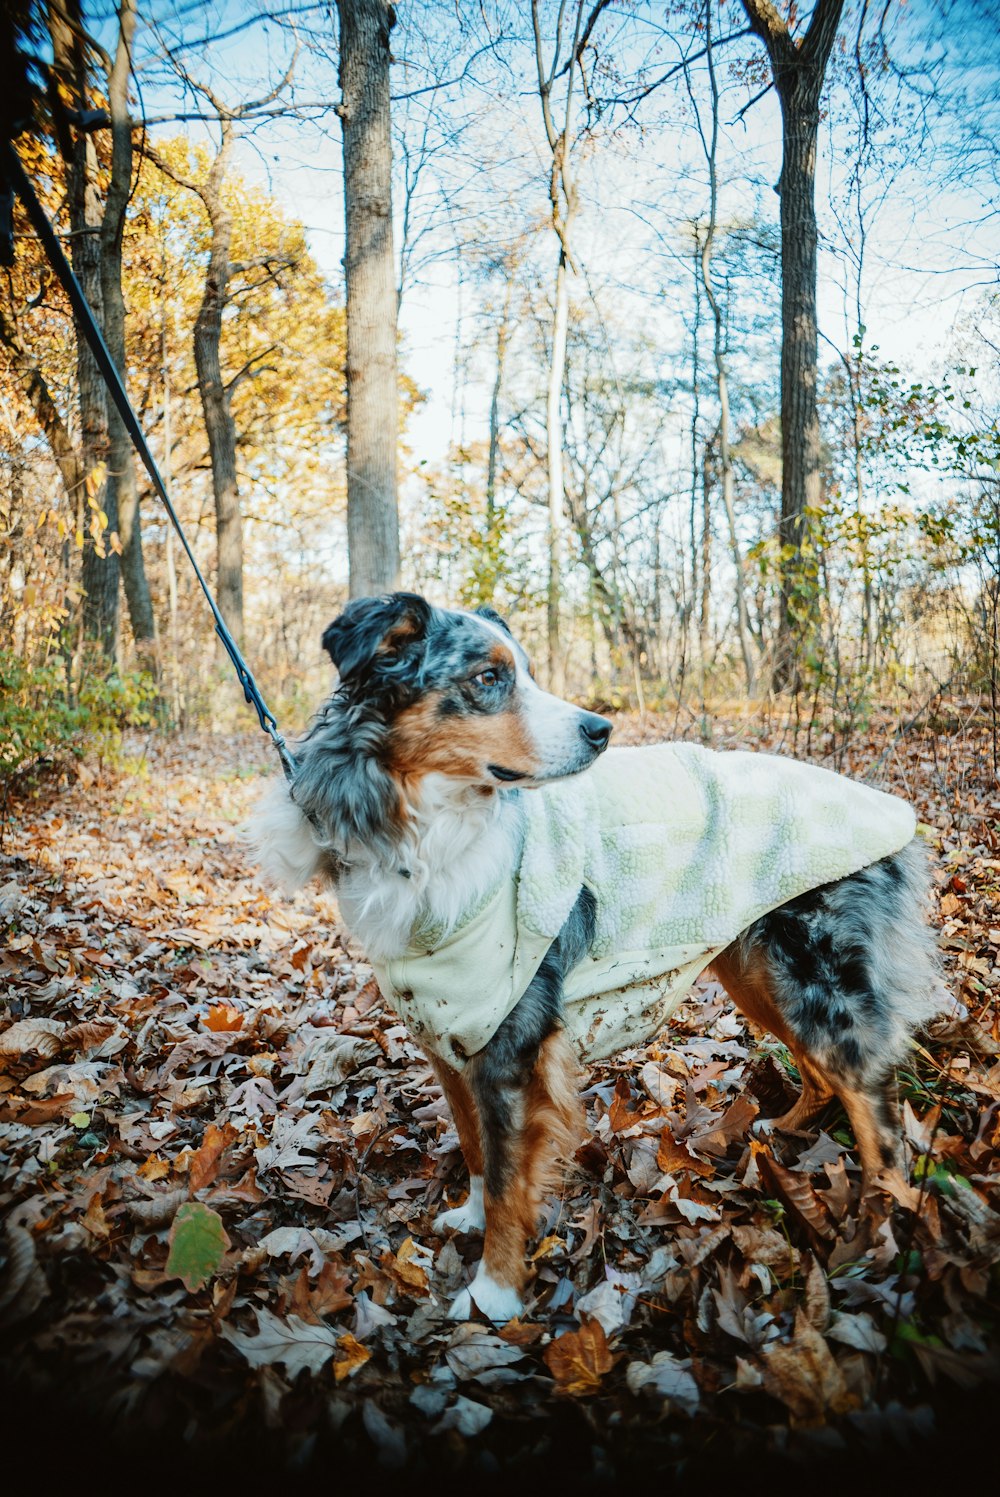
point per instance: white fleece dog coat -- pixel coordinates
(682, 847)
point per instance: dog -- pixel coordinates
(409, 797)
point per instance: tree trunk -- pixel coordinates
(100, 571)
(721, 373)
(798, 69)
(122, 486)
(219, 424)
(554, 433)
(372, 394)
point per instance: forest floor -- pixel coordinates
(221, 1157)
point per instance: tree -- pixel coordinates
(798, 68)
(122, 488)
(710, 145)
(216, 393)
(372, 396)
(564, 203)
(100, 561)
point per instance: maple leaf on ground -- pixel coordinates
(672, 1157)
(292, 1343)
(803, 1374)
(405, 1270)
(326, 1297)
(198, 1242)
(223, 1018)
(579, 1359)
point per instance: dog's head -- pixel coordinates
(455, 694)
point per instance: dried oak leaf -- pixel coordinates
(290, 1342)
(579, 1359)
(197, 1242)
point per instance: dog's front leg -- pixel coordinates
(470, 1216)
(529, 1114)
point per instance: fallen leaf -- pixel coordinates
(579, 1359)
(291, 1342)
(204, 1165)
(354, 1358)
(197, 1244)
(667, 1377)
(222, 1018)
(804, 1376)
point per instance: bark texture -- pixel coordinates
(122, 487)
(799, 69)
(99, 573)
(721, 371)
(372, 394)
(219, 425)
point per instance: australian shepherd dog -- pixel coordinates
(404, 799)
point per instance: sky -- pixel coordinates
(932, 246)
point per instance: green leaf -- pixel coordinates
(198, 1242)
(79, 1119)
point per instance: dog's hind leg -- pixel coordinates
(745, 975)
(843, 975)
(470, 1216)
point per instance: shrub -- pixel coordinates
(39, 719)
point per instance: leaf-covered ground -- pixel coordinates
(221, 1158)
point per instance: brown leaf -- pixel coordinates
(621, 1113)
(579, 1359)
(403, 1269)
(805, 1377)
(222, 1017)
(42, 1037)
(817, 1305)
(204, 1164)
(94, 1219)
(672, 1157)
(355, 1356)
(799, 1198)
(154, 1168)
(328, 1295)
(769, 1247)
(520, 1333)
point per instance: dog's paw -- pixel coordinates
(469, 1217)
(498, 1302)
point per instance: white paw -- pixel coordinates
(461, 1306)
(469, 1217)
(498, 1302)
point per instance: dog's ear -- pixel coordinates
(486, 612)
(370, 628)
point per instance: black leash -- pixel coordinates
(13, 171)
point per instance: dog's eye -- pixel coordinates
(488, 677)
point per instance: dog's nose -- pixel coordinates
(596, 730)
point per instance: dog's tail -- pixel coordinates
(280, 838)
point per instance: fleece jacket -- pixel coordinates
(682, 848)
